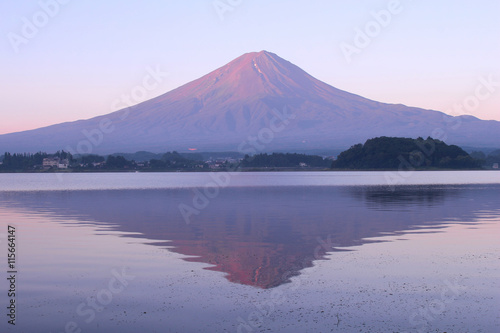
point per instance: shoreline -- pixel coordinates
(269, 169)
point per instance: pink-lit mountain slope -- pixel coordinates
(247, 98)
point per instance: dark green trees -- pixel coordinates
(117, 162)
(395, 153)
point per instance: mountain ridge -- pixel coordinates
(235, 102)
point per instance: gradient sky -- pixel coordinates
(87, 54)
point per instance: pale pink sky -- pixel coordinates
(85, 56)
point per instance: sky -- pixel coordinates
(64, 60)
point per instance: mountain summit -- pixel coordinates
(257, 102)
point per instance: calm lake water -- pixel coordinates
(253, 252)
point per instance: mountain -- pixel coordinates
(257, 102)
(267, 246)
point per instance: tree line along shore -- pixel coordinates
(382, 153)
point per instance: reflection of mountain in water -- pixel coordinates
(263, 236)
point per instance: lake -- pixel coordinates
(252, 252)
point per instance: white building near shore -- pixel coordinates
(55, 162)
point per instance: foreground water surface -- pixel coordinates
(253, 252)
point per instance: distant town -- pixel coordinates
(63, 161)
